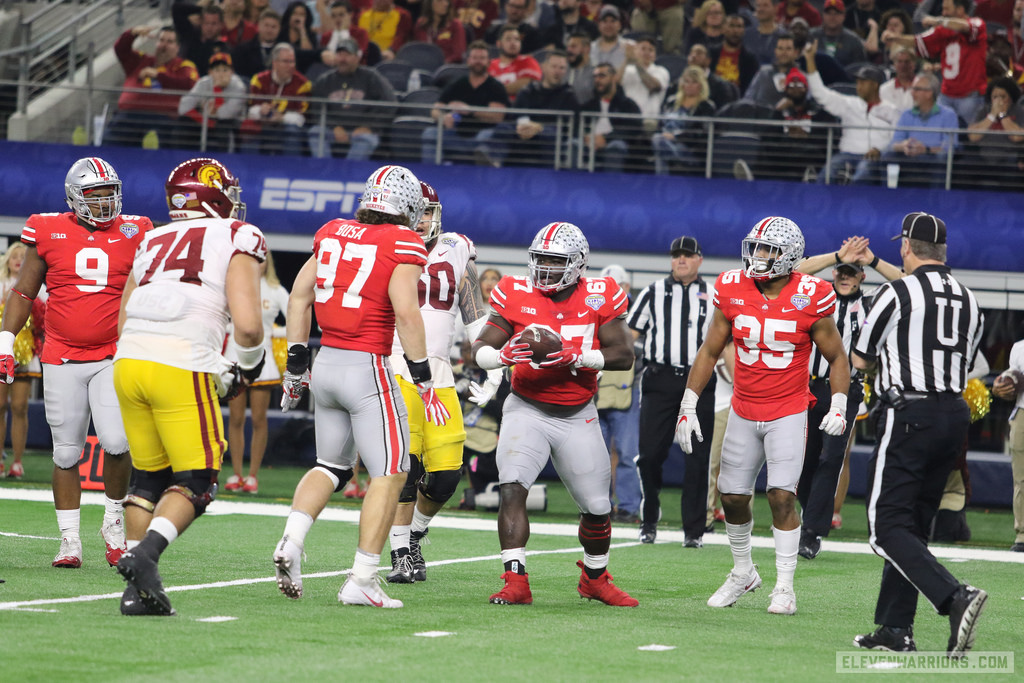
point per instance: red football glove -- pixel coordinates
(568, 356)
(435, 409)
(515, 352)
(7, 362)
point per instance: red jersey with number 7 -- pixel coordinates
(593, 302)
(354, 263)
(773, 341)
(86, 271)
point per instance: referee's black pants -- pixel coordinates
(661, 391)
(823, 458)
(917, 449)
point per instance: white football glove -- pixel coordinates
(293, 386)
(688, 423)
(7, 362)
(834, 423)
(481, 394)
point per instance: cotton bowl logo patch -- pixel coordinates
(129, 230)
(595, 301)
(375, 197)
(178, 200)
(801, 301)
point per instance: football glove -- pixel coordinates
(296, 376)
(435, 408)
(688, 424)
(834, 423)
(232, 381)
(567, 356)
(515, 352)
(7, 362)
(481, 394)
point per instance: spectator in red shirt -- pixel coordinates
(512, 69)
(140, 112)
(237, 29)
(437, 24)
(274, 124)
(787, 10)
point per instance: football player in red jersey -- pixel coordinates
(83, 257)
(551, 411)
(362, 279)
(773, 315)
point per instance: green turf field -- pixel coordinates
(233, 624)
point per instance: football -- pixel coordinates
(1013, 376)
(542, 341)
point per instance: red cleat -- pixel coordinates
(515, 592)
(603, 589)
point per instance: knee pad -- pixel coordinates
(197, 486)
(440, 486)
(66, 457)
(146, 487)
(412, 481)
(338, 475)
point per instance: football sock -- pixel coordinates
(420, 521)
(400, 538)
(514, 560)
(113, 510)
(297, 526)
(364, 568)
(739, 543)
(129, 544)
(164, 527)
(786, 545)
(69, 522)
(595, 535)
(594, 565)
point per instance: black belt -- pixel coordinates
(940, 395)
(898, 399)
(674, 369)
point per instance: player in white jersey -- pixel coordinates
(449, 288)
(188, 276)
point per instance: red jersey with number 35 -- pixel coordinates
(354, 263)
(86, 271)
(773, 341)
(593, 302)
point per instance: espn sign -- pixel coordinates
(285, 194)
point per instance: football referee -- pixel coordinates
(673, 315)
(923, 332)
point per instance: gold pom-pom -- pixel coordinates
(280, 347)
(978, 398)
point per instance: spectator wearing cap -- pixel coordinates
(840, 43)
(800, 139)
(670, 317)
(279, 103)
(923, 142)
(683, 141)
(867, 121)
(663, 18)
(610, 46)
(769, 84)
(708, 26)
(824, 454)
(357, 110)
(618, 408)
(787, 10)
(218, 99)
(962, 43)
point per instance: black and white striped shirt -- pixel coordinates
(849, 317)
(924, 330)
(673, 320)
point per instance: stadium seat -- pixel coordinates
(424, 56)
(405, 135)
(397, 72)
(675, 65)
(736, 137)
(426, 95)
(447, 73)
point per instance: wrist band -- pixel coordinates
(839, 261)
(874, 263)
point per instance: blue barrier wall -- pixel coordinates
(506, 207)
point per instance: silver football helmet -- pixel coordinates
(772, 248)
(85, 176)
(563, 240)
(394, 190)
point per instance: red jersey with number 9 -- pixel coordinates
(592, 303)
(354, 263)
(773, 341)
(86, 271)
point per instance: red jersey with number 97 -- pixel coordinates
(773, 341)
(354, 263)
(593, 302)
(86, 271)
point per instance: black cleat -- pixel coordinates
(419, 565)
(132, 606)
(648, 532)
(810, 546)
(692, 542)
(401, 568)
(888, 638)
(141, 573)
(966, 607)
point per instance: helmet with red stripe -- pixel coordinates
(81, 185)
(430, 203)
(395, 191)
(772, 248)
(203, 187)
(569, 249)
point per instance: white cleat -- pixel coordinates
(355, 593)
(70, 554)
(735, 587)
(113, 536)
(783, 601)
(288, 567)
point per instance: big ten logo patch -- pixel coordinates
(90, 465)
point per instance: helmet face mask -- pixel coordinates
(201, 188)
(84, 180)
(557, 257)
(429, 227)
(772, 248)
(395, 191)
